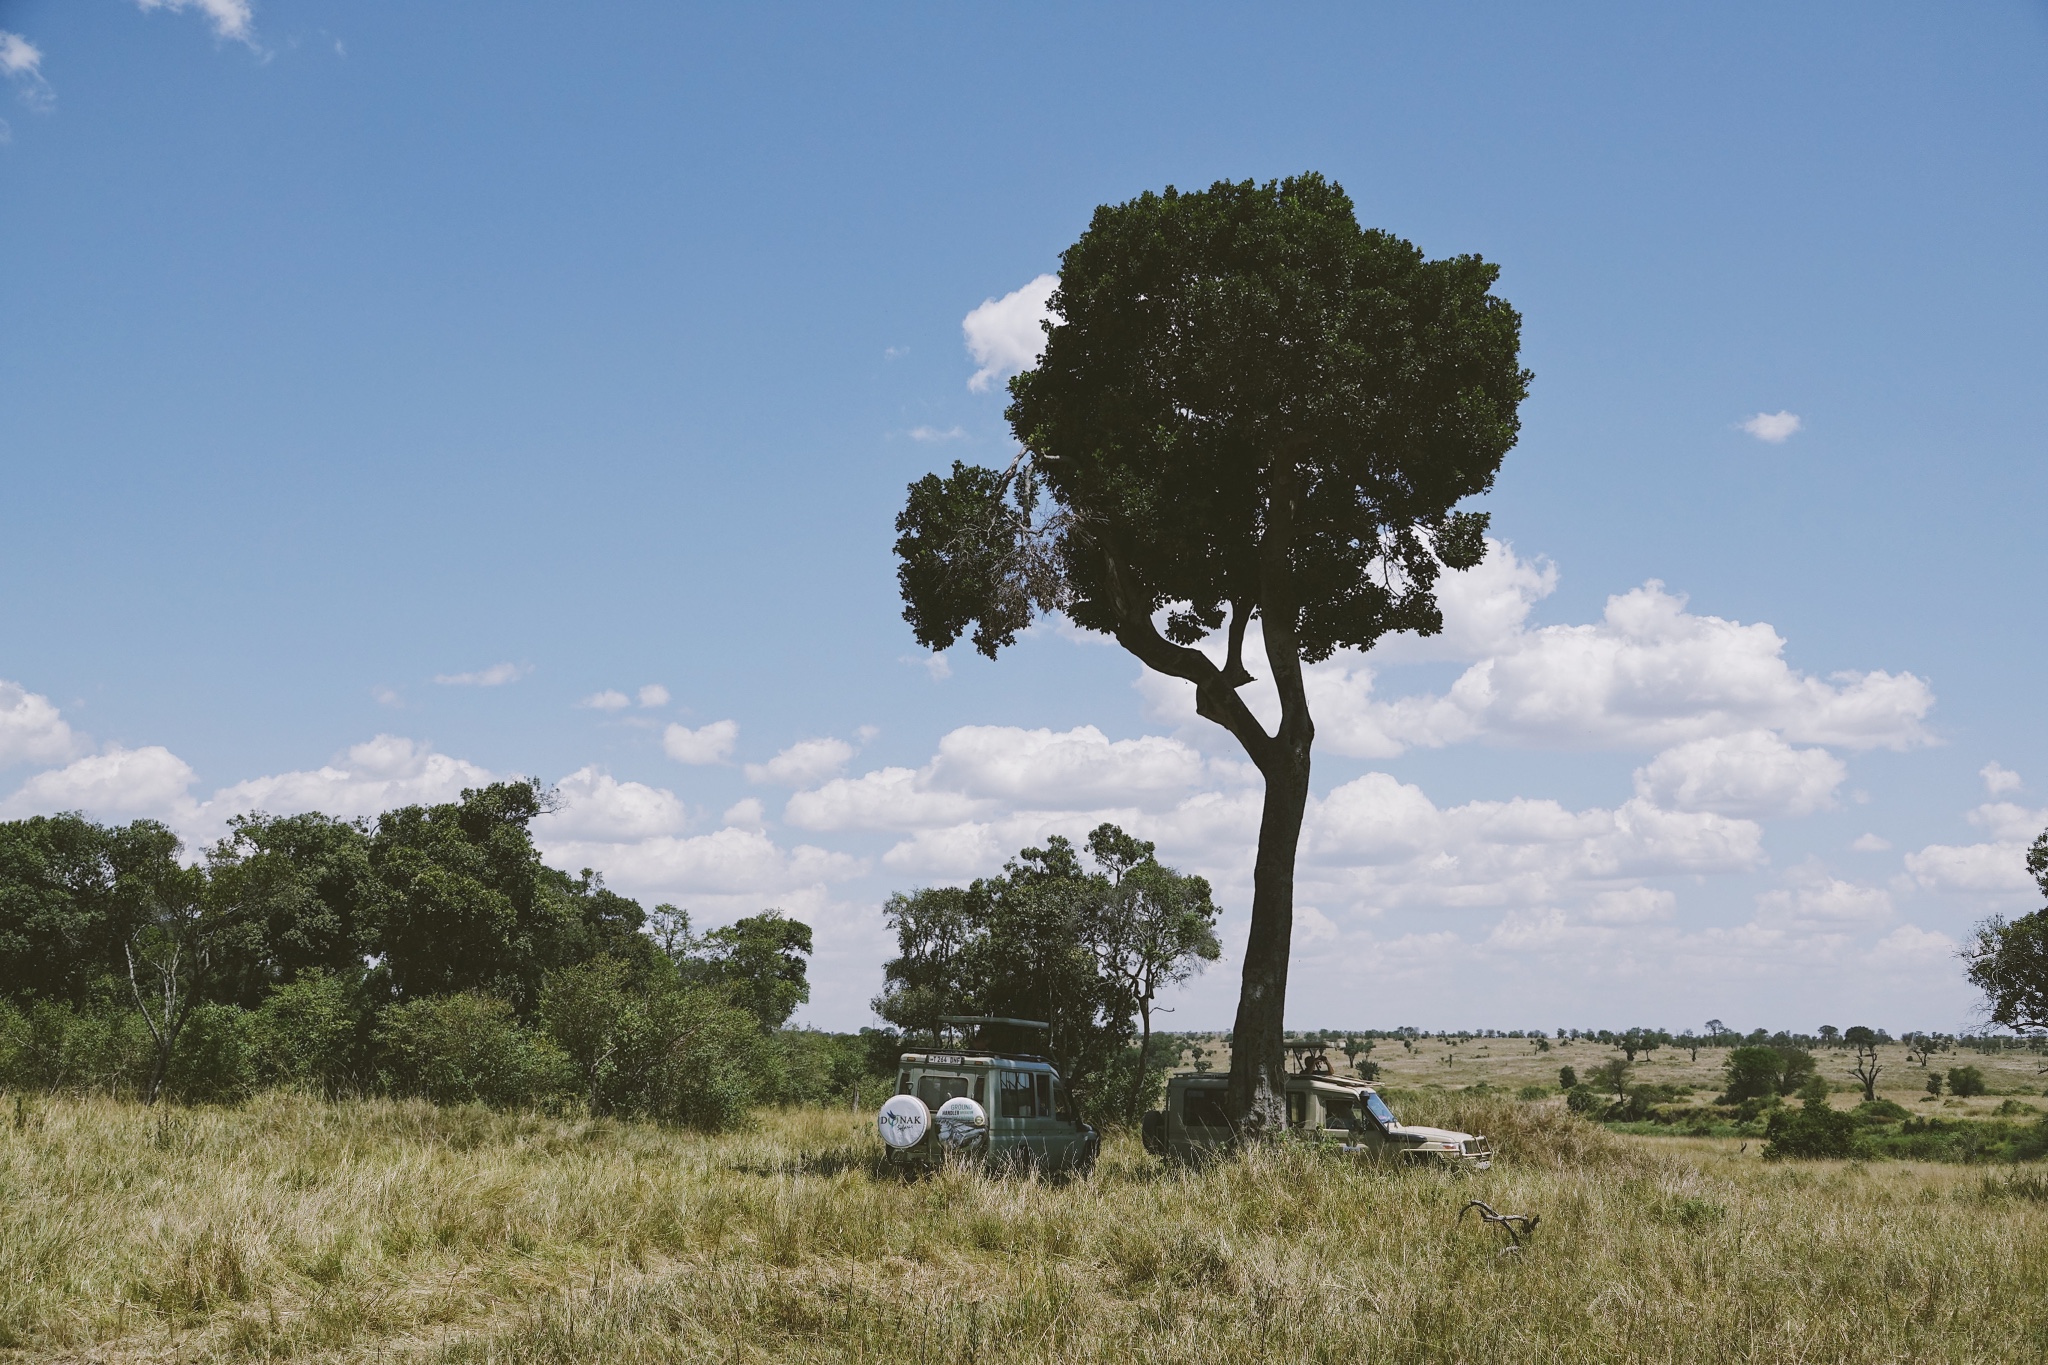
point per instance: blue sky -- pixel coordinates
(348, 348)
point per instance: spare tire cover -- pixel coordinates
(963, 1124)
(903, 1121)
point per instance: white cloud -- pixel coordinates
(118, 784)
(372, 777)
(1773, 427)
(21, 62)
(745, 814)
(707, 744)
(727, 862)
(497, 675)
(231, 18)
(1752, 773)
(1996, 867)
(608, 700)
(1819, 903)
(935, 434)
(804, 762)
(936, 666)
(653, 695)
(1999, 779)
(387, 696)
(1910, 948)
(597, 806)
(1649, 675)
(886, 799)
(1871, 843)
(1006, 335)
(32, 730)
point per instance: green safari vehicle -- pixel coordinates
(970, 1101)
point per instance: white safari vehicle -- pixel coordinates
(1003, 1108)
(1349, 1113)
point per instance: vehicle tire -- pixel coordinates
(1084, 1162)
(1152, 1131)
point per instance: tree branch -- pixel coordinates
(1216, 698)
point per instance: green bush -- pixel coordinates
(55, 1048)
(1584, 1099)
(1812, 1131)
(214, 1061)
(1534, 1092)
(692, 1058)
(468, 1048)
(308, 1035)
(1880, 1111)
(1567, 1079)
(1965, 1081)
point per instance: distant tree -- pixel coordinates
(1156, 928)
(1965, 1081)
(1934, 1083)
(1829, 1034)
(759, 960)
(301, 896)
(588, 1010)
(1612, 1076)
(2009, 960)
(1866, 1069)
(1758, 1071)
(1715, 1028)
(1567, 1078)
(1247, 406)
(1690, 1042)
(170, 957)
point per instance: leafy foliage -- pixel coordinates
(2009, 960)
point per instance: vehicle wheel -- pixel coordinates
(1084, 1164)
(1152, 1131)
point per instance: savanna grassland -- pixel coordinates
(293, 1228)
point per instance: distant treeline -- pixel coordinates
(430, 952)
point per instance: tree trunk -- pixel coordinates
(1144, 1050)
(1258, 1061)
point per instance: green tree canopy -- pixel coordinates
(2009, 960)
(1248, 406)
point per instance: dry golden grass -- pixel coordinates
(389, 1231)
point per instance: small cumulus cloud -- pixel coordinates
(1005, 335)
(1871, 843)
(936, 666)
(1774, 427)
(21, 62)
(31, 728)
(706, 744)
(747, 814)
(936, 434)
(497, 675)
(388, 696)
(1999, 779)
(803, 763)
(608, 700)
(235, 19)
(653, 695)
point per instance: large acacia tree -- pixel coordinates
(1248, 407)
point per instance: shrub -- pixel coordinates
(467, 1048)
(214, 1061)
(1759, 1071)
(1881, 1111)
(1533, 1092)
(1567, 1079)
(308, 1034)
(1812, 1131)
(1584, 1099)
(1965, 1081)
(53, 1047)
(692, 1059)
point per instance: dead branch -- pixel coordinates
(1506, 1222)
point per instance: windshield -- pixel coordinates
(1377, 1107)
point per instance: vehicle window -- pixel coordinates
(1203, 1107)
(1062, 1107)
(903, 1086)
(1044, 1095)
(1018, 1102)
(1377, 1107)
(979, 1096)
(936, 1090)
(1339, 1113)
(1297, 1110)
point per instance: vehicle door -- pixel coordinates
(1014, 1117)
(1063, 1131)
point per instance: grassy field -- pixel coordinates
(378, 1230)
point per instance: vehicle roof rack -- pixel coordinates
(993, 1019)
